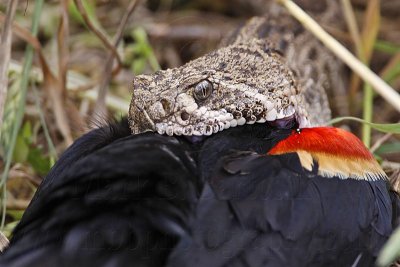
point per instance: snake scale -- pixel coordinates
(270, 70)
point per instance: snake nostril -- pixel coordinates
(166, 104)
(185, 116)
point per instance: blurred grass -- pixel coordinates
(382, 127)
(390, 251)
(20, 108)
(146, 47)
(386, 47)
(140, 53)
(50, 144)
(369, 35)
(90, 7)
(392, 147)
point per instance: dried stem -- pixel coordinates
(387, 92)
(62, 42)
(100, 108)
(96, 31)
(5, 48)
(352, 25)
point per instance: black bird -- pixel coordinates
(242, 197)
(112, 199)
(267, 209)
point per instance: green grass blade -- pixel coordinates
(390, 250)
(50, 143)
(90, 7)
(386, 127)
(367, 114)
(392, 147)
(21, 109)
(392, 74)
(387, 47)
(10, 108)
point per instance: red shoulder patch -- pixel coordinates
(337, 152)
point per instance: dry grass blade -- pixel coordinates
(387, 92)
(52, 149)
(356, 38)
(50, 80)
(53, 88)
(352, 25)
(25, 35)
(100, 108)
(5, 48)
(62, 42)
(364, 43)
(56, 87)
(380, 141)
(77, 82)
(21, 107)
(370, 29)
(370, 32)
(51, 84)
(17, 204)
(394, 180)
(3, 242)
(391, 65)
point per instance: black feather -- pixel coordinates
(261, 210)
(148, 200)
(111, 200)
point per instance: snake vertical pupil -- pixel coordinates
(202, 90)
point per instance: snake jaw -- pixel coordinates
(190, 118)
(203, 122)
(219, 91)
(187, 117)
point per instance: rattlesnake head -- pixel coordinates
(241, 83)
(264, 73)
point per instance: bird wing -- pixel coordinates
(124, 202)
(261, 210)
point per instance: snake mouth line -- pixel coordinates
(206, 123)
(289, 122)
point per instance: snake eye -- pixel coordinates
(203, 90)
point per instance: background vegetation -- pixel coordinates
(67, 66)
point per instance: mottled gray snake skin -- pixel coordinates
(270, 69)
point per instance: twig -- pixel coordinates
(96, 31)
(62, 42)
(56, 87)
(20, 112)
(394, 181)
(76, 81)
(17, 173)
(25, 35)
(380, 141)
(51, 82)
(113, 102)
(355, 79)
(387, 92)
(100, 108)
(5, 48)
(17, 204)
(50, 143)
(390, 65)
(390, 165)
(352, 25)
